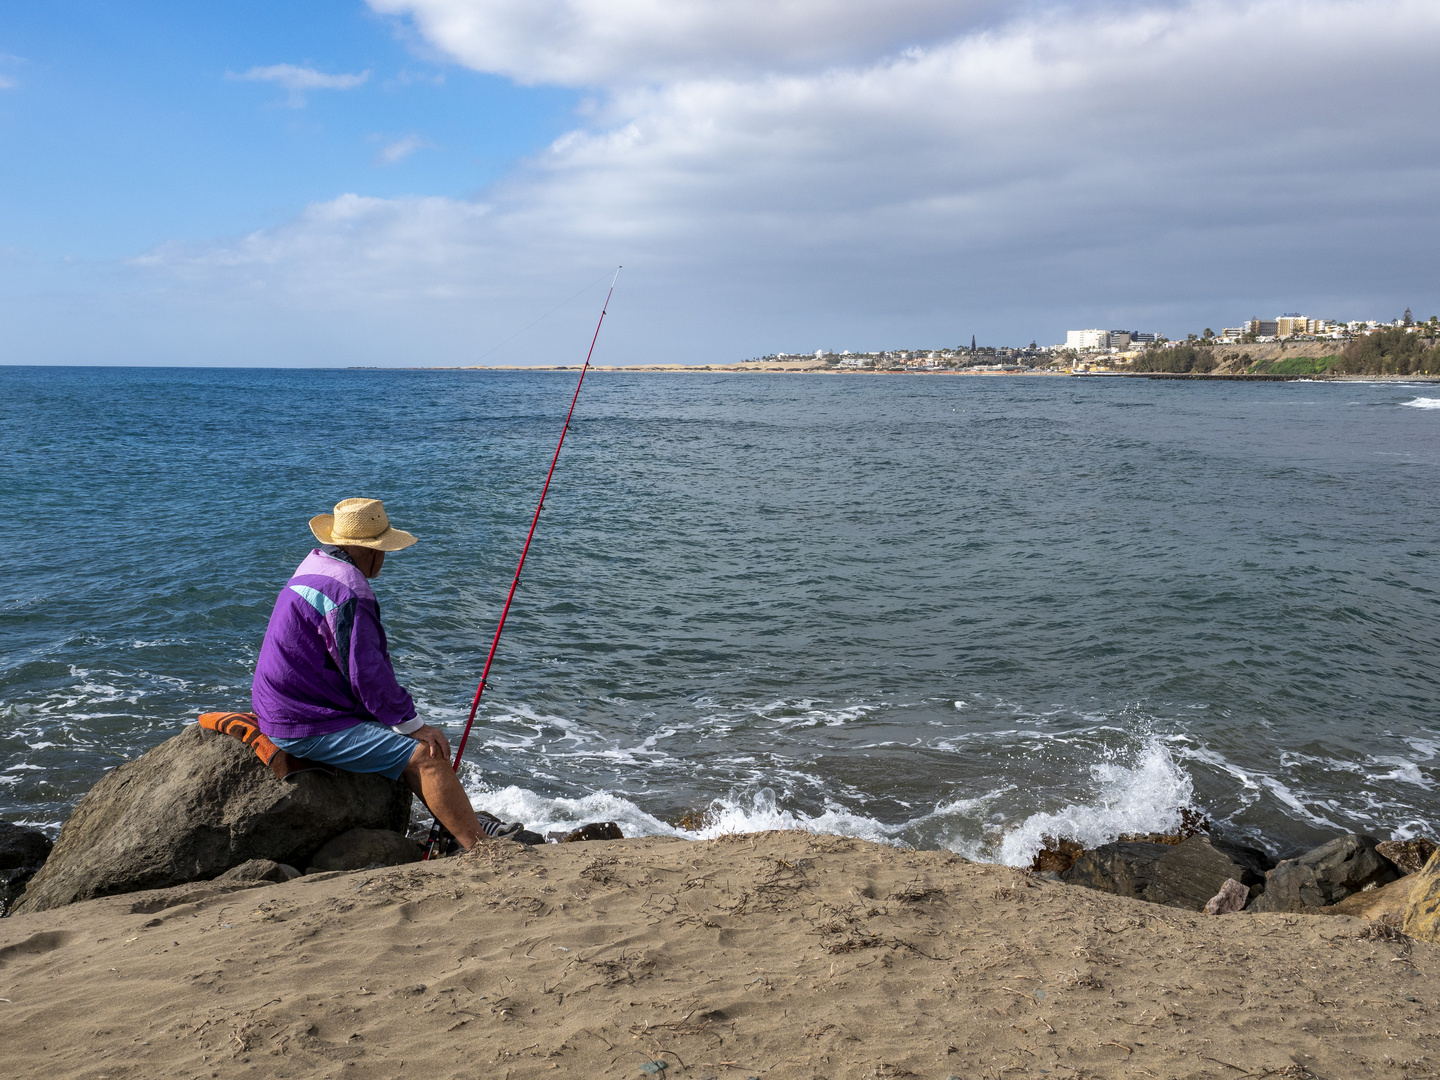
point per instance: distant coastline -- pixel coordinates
(818, 368)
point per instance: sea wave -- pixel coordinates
(1146, 793)
(1423, 403)
(756, 812)
(1143, 791)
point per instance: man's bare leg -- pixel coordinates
(431, 777)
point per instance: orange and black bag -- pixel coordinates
(246, 728)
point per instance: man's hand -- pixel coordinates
(433, 740)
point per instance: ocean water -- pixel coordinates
(948, 612)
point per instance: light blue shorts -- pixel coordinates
(368, 747)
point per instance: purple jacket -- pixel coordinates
(323, 666)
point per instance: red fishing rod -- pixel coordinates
(437, 830)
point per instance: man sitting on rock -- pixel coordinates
(324, 687)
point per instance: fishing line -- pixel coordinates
(542, 318)
(437, 830)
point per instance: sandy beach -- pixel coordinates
(774, 954)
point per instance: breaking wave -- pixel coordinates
(1144, 791)
(1142, 795)
(725, 817)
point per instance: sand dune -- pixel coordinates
(770, 955)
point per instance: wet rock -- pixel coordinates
(21, 847)
(1233, 896)
(1324, 876)
(22, 852)
(1185, 875)
(258, 870)
(360, 849)
(1190, 874)
(1408, 856)
(1124, 869)
(195, 806)
(1422, 912)
(595, 830)
(1192, 823)
(1056, 856)
(12, 886)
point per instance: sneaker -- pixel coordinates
(499, 830)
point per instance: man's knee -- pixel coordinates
(423, 763)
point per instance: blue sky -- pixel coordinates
(126, 128)
(413, 181)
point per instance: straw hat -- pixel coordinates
(359, 523)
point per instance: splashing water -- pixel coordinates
(757, 813)
(1145, 795)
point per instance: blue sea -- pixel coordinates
(955, 612)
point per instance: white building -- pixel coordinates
(1082, 340)
(1087, 339)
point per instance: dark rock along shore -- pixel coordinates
(1200, 872)
(22, 853)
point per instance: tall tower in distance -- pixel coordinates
(972, 344)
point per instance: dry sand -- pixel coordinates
(772, 955)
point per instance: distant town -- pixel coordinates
(1293, 340)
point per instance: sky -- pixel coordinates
(438, 182)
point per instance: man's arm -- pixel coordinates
(372, 676)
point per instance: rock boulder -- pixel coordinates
(257, 871)
(595, 830)
(1124, 869)
(22, 852)
(21, 847)
(195, 806)
(1324, 876)
(1232, 897)
(1183, 875)
(360, 849)
(1189, 874)
(1409, 856)
(1385, 904)
(1422, 915)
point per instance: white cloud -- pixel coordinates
(400, 149)
(604, 42)
(1156, 165)
(300, 79)
(7, 83)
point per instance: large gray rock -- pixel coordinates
(360, 849)
(1183, 875)
(195, 806)
(1124, 869)
(1189, 874)
(1326, 875)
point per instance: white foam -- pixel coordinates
(1145, 795)
(543, 814)
(727, 817)
(1423, 403)
(1407, 772)
(759, 812)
